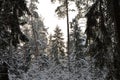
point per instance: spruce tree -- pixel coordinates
(58, 45)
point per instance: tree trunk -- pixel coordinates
(116, 7)
(4, 72)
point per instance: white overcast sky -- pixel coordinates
(47, 11)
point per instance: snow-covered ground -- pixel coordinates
(44, 69)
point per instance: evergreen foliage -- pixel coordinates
(76, 40)
(40, 60)
(57, 48)
(101, 36)
(25, 57)
(10, 32)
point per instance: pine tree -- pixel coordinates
(57, 45)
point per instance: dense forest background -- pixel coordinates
(29, 52)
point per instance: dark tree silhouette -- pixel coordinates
(103, 35)
(10, 33)
(116, 17)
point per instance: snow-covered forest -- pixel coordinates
(29, 52)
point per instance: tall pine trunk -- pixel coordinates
(116, 7)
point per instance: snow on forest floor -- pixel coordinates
(43, 69)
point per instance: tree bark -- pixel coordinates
(116, 7)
